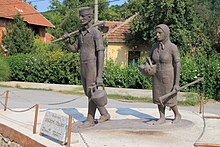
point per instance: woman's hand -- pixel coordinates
(176, 87)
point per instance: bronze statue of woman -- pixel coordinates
(166, 56)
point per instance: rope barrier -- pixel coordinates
(15, 120)
(204, 124)
(17, 110)
(19, 96)
(2, 93)
(50, 104)
(64, 102)
(2, 97)
(203, 130)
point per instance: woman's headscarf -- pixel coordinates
(166, 30)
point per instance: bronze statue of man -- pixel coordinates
(90, 46)
(166, 56)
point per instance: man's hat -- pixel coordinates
(86, 11)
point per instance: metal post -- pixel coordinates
(6, 100)
(207, 144)
(35, 119)
(69, 131)
(96, 11)
(201, 103)
(212, 117)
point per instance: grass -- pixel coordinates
(19, 87)
(129, 98)
(75, 91)
(192, 99)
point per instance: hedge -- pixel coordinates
(4, 69)
(54, 67)
(63, 68)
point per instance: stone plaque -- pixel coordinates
(55, 126)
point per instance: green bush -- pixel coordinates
(4, 69)
(63, 68)
(194, 67)
(43, 47)
(18, 37)
(52, 67)
(126, 77)
(212, 77)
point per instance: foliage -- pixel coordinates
(65, 15)
(127, 77)
(59, 67)
(208, 13)
(18, 38)
(42, 47)
(192, 69)
(122, 12)
(52, 67)
(192, 99)
(4, 69)
(179, 15)
(201, 66)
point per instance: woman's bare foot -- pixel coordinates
(160, 121)
(177, 119)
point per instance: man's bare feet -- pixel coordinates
(87, 124)
(104, 118)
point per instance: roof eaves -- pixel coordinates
(51, 25)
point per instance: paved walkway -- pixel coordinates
(128, 127)
(130, 124)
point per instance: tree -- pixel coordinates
(179, 15)
(121, 13)
(18, 37)
(65, 15)
(208, 13)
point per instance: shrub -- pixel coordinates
(18, 38)
(53, 67)
(201, 66)
(127, 77)
(4, 69)
(63, 68)
(42, 47)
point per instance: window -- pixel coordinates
(133, 57)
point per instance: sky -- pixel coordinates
(42, 5)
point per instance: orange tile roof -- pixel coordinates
(9, 8)
(118, 31)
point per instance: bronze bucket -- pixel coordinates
(98, 96)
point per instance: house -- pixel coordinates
(117, 49)
(37, 22)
